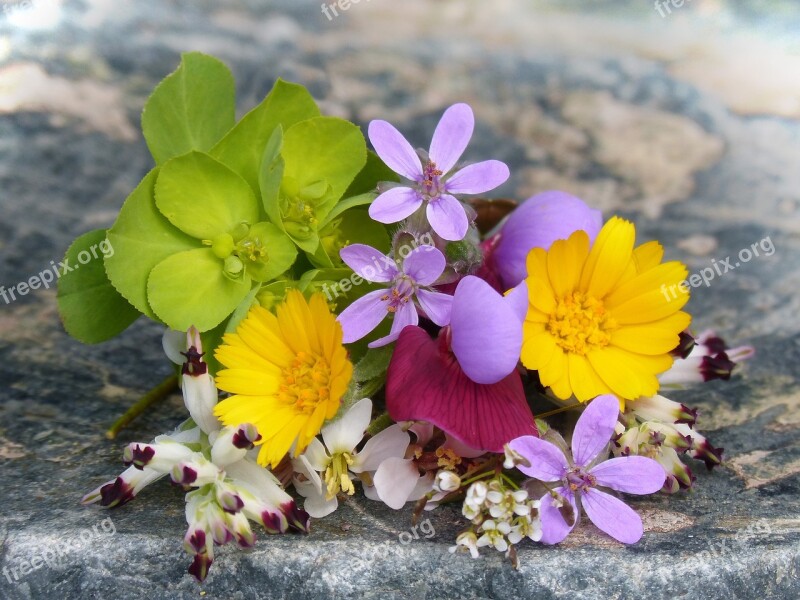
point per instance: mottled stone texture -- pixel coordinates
(683, 123)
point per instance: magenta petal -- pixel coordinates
(448, 218)
(425, 383)
(547, 461)
(554, 527)
(424, 264)
(613, 516)
(394, 205)
(630, 474)
(406, 315)
(537, 223)
(486, 331)
(478, 178)
(594, 428)
(437, 306)
(362, 316)
(452, 136)
(394, 150)
(370, 263)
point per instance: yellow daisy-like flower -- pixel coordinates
(288, 372)
(599, 320)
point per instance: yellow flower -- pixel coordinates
(599, 321)
(288, 373)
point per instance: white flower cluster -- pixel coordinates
(501, 517)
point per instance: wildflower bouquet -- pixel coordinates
(371, 327)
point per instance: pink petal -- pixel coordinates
(370, 263)
(425, 383)
(424, 264)
(548, 462)
(394, 149)
(447, 218)
(630, 474)
(594, 428)
(362, 316)
(452, 136)
(478, 178)
(486, 332)
(394, 205)
(613, 516)
(405, 316)
(554, 527)
(395, 481)
(460, 448)
(436, 305)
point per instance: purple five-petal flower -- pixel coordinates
(580, 478)
(421, 267)
(433, 184)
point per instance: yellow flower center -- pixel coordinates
(581, 323)
(305, 382)
(337, 476)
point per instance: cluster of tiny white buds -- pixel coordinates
(501, 517)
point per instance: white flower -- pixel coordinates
(494, 535)
(328, 466)
(446, 481)
(466, 540)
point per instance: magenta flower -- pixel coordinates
(426, 383)
(432, 182)
(582, 475)
(537, 223)
(422, 267)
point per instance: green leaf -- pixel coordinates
(323, 149)
(243, 148)
(270, 176)
(191, 109)
(373, 364)
(347, 204)
(367, 180)
(204, 198)
(280, 252)
(141, 238)
(91, 309)
(241, 311)
(190, 288)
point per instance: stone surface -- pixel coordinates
(685, 123)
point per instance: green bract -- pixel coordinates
(221, 221)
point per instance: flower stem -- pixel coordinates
(161, 391)
(550, 413)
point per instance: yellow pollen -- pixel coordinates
(304, 382)
(337, 476)
(580, 323)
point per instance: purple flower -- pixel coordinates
(580, 477)
(486, 329)
(421, 267)
(537, 223)
(433, 184)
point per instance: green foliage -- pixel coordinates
(191, 109)
(91, 309)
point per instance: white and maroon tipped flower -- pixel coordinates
(433, 183)
(584, 472)
(421, 268)
(232, 444)
(662, 410)
(709, 359)
(701, 448)
(199, 390)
